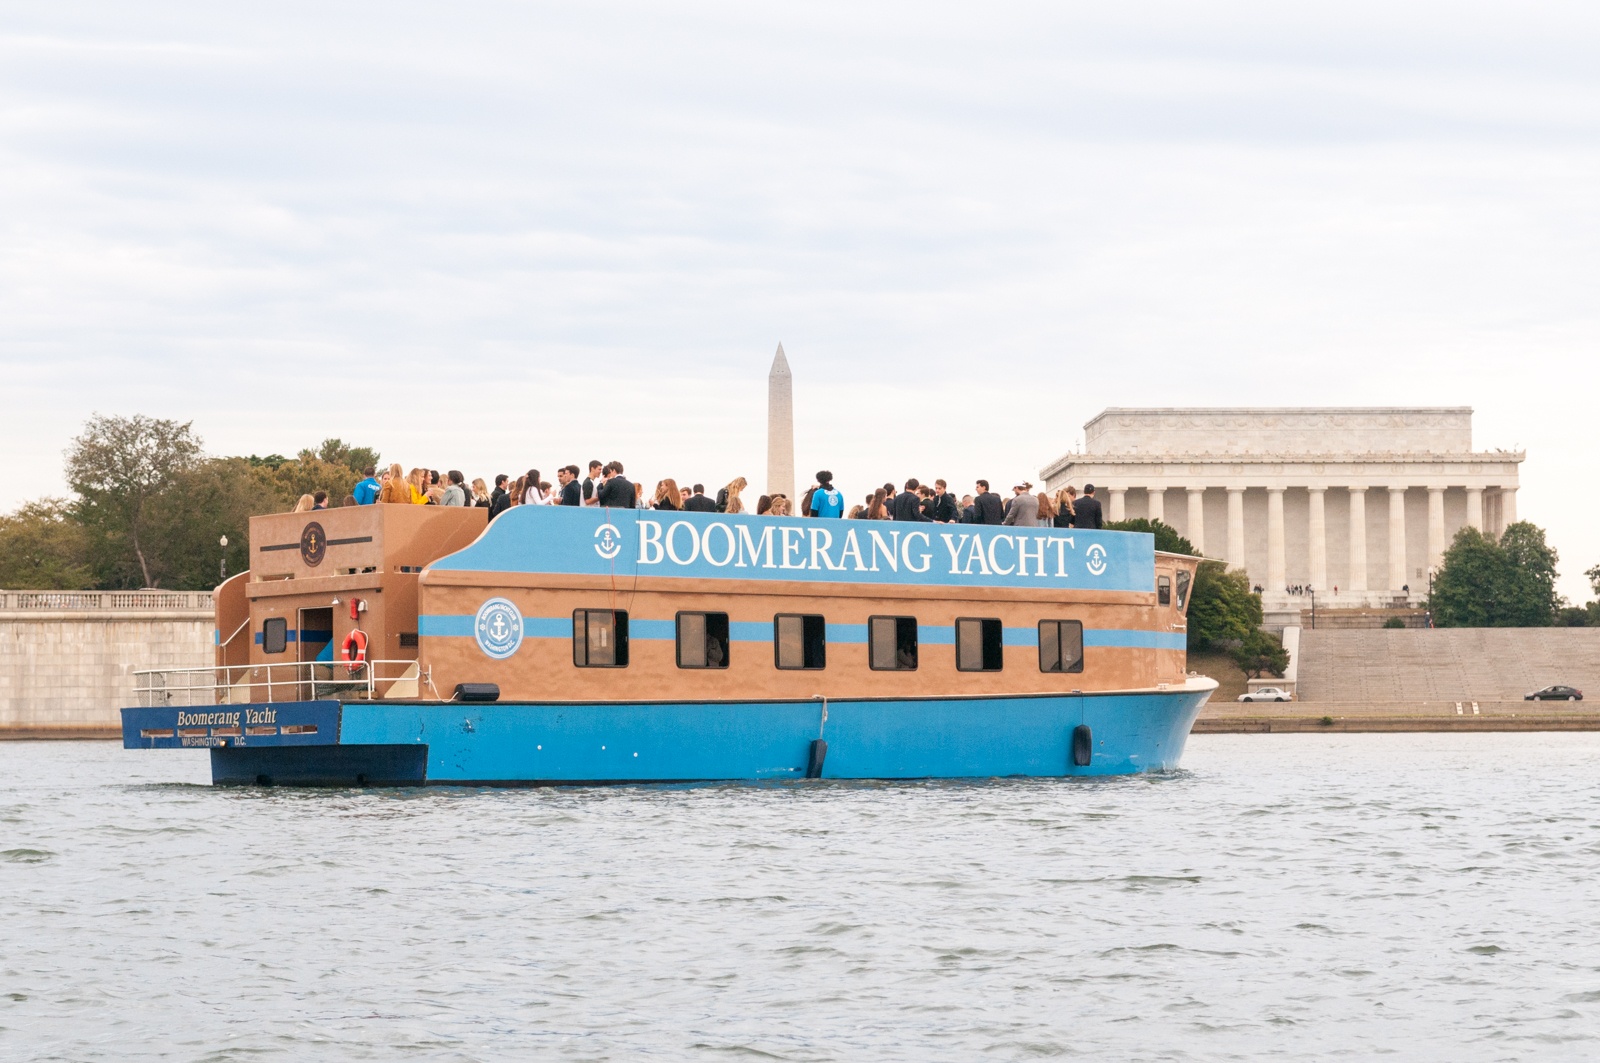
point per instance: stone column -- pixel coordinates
(1435, 528)
(1508, 507)
(1158, 503)
(1197, 518)
(1118, 509)
(1277, 564)
(1358, 539)
(1475, 507)
(1317, 539)
(1397, 539)
(1236, 527)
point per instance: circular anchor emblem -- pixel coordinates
(313, 544)
(1095, 559)
(498, 628)
(607, 541)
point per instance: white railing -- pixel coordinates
(106, 600)
(239, 684)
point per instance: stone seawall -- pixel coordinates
(67, 658)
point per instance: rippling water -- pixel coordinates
(1284, 897)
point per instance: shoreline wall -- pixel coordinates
(67, 658)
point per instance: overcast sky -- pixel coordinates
(498, 235)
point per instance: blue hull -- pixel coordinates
(399, 743)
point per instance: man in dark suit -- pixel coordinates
(571, 490)
(616, 492)
(986, 507)
(698, 502)
(499, 498)
(908, 504)
(591, 484)
(1088, 510)
(944, 504)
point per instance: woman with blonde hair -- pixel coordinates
(418, 481)
(306, 504)
(780, 506)
(734, 489)
(1066, 509)
(394, 487)
(480, 494)
(667, 495)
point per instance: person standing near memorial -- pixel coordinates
(1086, 513)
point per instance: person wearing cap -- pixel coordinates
(1023, 511)
(1086, 513)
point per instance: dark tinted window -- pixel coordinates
(600, 638)
(702, 640)
(1163, 590)
(799, 641)
(978, 646)
(1060, 646)
(892, 643)
(1183, 589)
(274, 635)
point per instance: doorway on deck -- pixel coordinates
(316, 652)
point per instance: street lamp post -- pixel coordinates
(223, 542)
(1313, 592)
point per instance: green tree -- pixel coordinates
(1509, 582)
(43, 547)
(1167, 537)
(117, 467)
(1223, 610)
(337, 452)
(216, 498)
(1261, 653)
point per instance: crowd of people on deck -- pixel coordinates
(607, 486)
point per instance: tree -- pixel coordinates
(216, 498)
(43, 547)
(117, 466)
(1594, 579)
(337, 452)
(1509, 582)
(1261, 653)
(1167, 537)
(1223, 610)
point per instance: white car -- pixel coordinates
(1266, 694)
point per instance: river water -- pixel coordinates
(1288, 897)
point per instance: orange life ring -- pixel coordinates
(355, 650)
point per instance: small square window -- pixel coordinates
(979, 646)
(1060, 645)
(892, 643)
(600, 638)
(800, 642)
(702, 640)
(274, 635)
(1163, 590)
(1183, 589)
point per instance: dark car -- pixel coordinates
(1555, 693)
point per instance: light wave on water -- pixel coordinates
(1285, 897)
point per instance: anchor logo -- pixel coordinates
(313, 544)
(1095, 559)
(608, 541)
(498, 628)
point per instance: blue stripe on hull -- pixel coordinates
(873, 739)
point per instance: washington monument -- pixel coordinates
(780, 429)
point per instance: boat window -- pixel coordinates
(799, 641)
(892, 643)
(274, 635)
(1060, 645)
(978, 646)
(1163, 590)
(600, 638)
(702, 640)
(1183, 589)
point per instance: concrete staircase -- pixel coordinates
(1455, 664)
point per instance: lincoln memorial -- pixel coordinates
(1358, 503)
